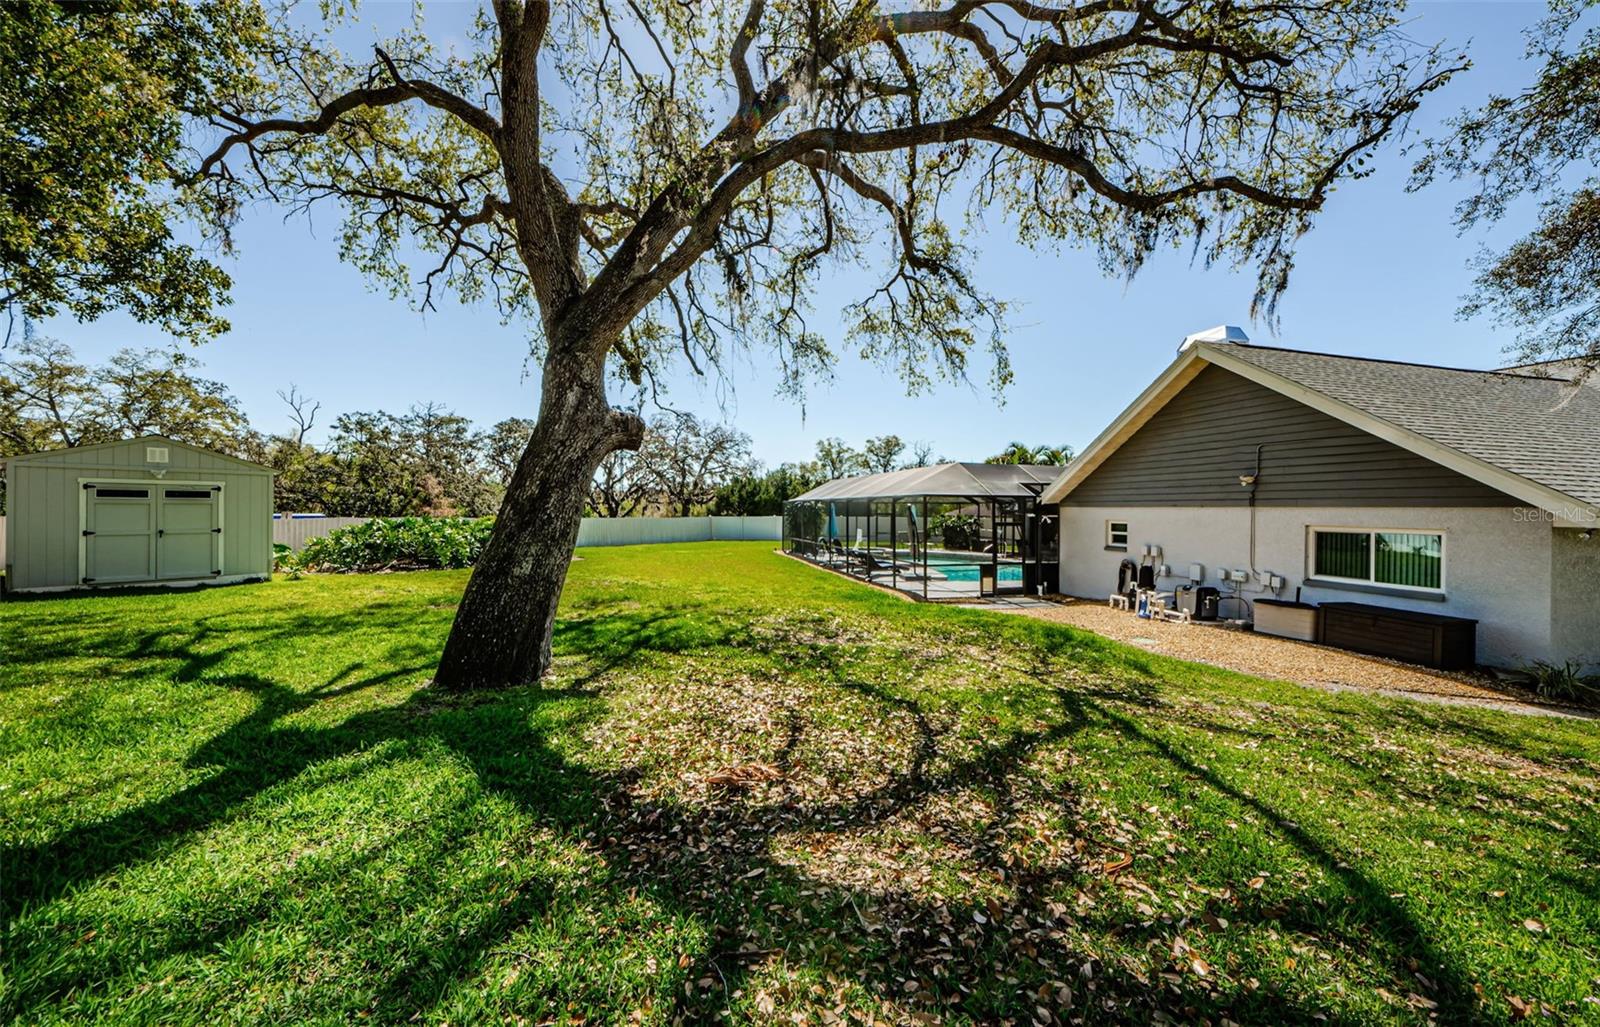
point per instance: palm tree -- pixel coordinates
(1022, 453)
(1053, 456)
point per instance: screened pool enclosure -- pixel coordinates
(951, 531)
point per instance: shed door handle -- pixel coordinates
(161, 533)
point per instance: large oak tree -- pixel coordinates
(659, 180)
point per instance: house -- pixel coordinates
(145, 511)
(1472, 494)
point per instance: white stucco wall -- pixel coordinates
(1575, 597)
(1497, 560)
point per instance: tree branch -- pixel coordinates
(400, 91)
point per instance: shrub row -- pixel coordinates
(398, 543)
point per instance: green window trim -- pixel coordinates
(1397, 558)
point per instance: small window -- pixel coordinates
(187, 494)
(122, 493)
(1117, 534)
(1403, 559)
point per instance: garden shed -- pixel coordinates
(145, 511)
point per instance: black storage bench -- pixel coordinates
(1431, 639)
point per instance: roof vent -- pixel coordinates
(1221, 333)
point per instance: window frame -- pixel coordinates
(1371, 580)
(1112, 533)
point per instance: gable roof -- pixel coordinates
(137, 440)
(1536, 439)
(956, 479)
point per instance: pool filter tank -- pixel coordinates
(1201, 601)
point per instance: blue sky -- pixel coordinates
(1381, 275)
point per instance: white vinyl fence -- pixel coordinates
(633, 531)
(595, 531)
(295, 532)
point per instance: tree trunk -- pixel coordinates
(504, 625)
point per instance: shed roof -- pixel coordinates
(46, 455)
(955, 479)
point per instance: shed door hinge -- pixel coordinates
(216, 531)
(87, 580)
(87, 533)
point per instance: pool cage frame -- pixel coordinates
(903, 541)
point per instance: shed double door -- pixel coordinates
(151, 532)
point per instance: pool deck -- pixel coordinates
(906, 579)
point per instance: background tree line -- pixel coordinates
(428, 461)
(763, 492)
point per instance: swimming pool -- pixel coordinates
(969, 571)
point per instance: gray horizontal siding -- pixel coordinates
(1194, 450)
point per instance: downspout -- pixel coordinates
(1255, 482)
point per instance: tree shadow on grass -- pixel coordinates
(967, 956)
(716, 860)
(259, 751)
(1382, 926)
(969, 960)
(602, 643)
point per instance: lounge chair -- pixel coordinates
(873, 564)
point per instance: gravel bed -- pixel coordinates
(1286, 659)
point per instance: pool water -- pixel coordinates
(969, 571)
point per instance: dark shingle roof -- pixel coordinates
(961, 480)
(1544, 429)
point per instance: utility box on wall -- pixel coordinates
(146, 511)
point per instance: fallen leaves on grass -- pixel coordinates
(743, 776)
(1116, 866)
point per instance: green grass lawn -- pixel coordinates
(756, 792)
